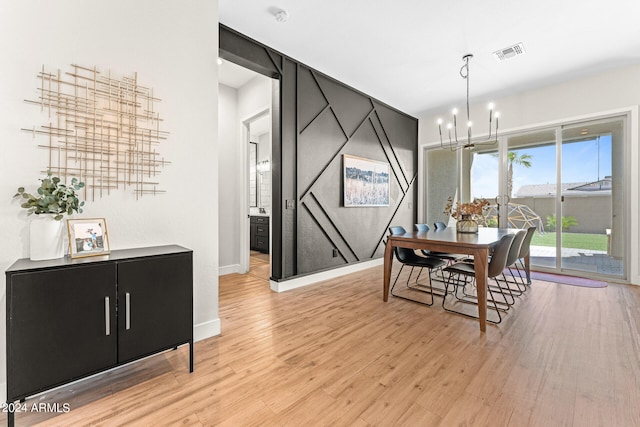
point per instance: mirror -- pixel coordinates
(253, 166)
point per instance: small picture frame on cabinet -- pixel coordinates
(88, 237)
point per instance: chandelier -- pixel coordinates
(456, 143)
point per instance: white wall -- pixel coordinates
(602, 92)
(230, 194)
(264, 178)
(173, 47)
(250, 99)
(254, 97)
(577, 99)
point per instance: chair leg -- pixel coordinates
(473, 299)
(513, 292)
(520, 273)
(412, 288)
(521, 283)
(501, 289)
(495, 307)
(454, 293)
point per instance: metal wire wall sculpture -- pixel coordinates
(101, 129)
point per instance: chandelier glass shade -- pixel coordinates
(453, 140)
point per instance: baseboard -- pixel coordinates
(229, 269)
(206, 330)
(3, 391)
(310, 279)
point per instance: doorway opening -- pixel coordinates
(245, 105)
(257, 137)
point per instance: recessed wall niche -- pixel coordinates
(102, 129)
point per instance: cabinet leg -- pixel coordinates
(10, 418)
(191, 356)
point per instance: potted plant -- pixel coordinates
(51, 202)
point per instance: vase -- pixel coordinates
(46, 238)
(466, 224)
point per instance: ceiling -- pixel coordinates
(233, 75)
(408, 53)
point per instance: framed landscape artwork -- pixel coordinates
(366, 182)
(88, 237)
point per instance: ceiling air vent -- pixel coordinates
(509, 52)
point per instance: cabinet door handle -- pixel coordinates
(127, 319)
(107, 320)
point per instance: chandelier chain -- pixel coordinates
(454, 143)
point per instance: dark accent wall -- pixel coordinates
(316, 120)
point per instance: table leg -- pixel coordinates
(527, 267)
(480, 260)
(190, 356)
(388, 261)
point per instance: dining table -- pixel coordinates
(477, 245)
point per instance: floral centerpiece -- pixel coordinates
(466, 214)
(473, 209)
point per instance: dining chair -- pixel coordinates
(508, 282)
(525, 250)
(439, 225)
(466, 271)
(408, 257)
(448, 257)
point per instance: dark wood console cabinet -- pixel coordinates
(259, 233)
(71, 318)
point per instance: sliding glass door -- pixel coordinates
(484, 181)
(568, 181)
(590, 220)
(531, 185)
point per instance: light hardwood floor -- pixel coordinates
(335, 354)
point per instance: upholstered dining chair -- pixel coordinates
(466, 272)
(408, 257)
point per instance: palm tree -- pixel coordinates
(522, 160)
(513, 157)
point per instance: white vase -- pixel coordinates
(46, 238)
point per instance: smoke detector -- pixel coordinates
(282, 16)
(509, 52)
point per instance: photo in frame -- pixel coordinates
(366, 182)
(88, 237)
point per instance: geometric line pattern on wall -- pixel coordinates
(396, 168)
(337, 152)
(316, 102)
(307, 165)
(321, 217)
(394, 134)
(388, 148)
(101, 129)
(381, 239)
(274, 62)
(367, 129)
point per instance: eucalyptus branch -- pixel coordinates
(52, 197)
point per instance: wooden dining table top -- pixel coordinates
(485, 237)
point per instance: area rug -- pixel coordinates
(568, 280)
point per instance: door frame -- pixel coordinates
(245, 203)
